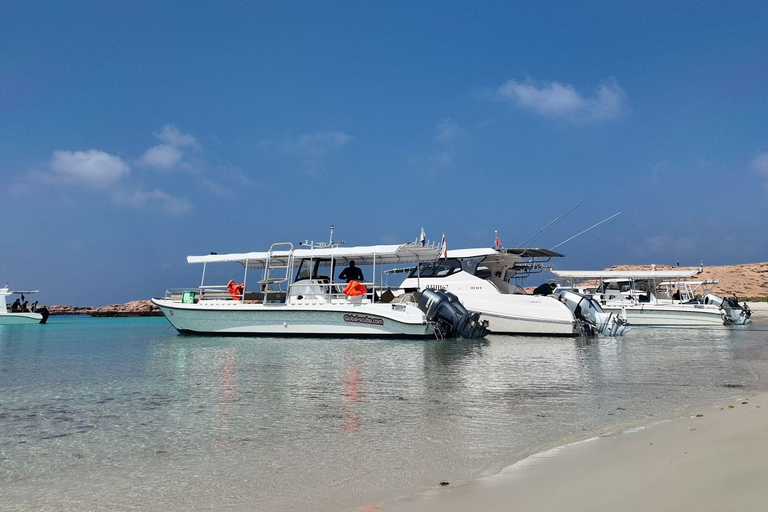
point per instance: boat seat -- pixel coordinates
(387, 296)
(408, 297)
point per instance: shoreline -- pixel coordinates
(134, 308)
(706, 457)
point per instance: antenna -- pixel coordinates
(545, 228)
(319, 245)
(588, 229)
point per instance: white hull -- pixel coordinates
(663, 315)
(278, 319)
(20, 318)
(522, 314)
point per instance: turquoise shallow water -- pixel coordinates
(125, 414)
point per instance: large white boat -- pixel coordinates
(480, 279)
(657, 298)
(14, 314)
(297, 295)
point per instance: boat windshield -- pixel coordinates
(449, 266)
(440, 268)
(315, 269)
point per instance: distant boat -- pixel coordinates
(297, 296)
(657, 298)
(8, 314)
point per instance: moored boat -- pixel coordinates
(297, 295)
(480, 279)
(657, 298)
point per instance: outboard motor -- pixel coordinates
(592, 318)
(450, 316)
(44, 312)
(733, 312)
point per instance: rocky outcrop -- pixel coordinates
(134, 308)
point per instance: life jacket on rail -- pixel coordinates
(235, 290)
(354, 288)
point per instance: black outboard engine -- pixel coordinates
(44, 312)
(450, 316)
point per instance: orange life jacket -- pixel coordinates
(235, 290)
(354, 288)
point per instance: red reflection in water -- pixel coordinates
(354, 393)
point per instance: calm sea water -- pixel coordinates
(125, 414)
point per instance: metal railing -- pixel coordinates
(314, 291)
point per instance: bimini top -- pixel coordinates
(6, 291)
(488, 251)
(626, 274)
(362, 255)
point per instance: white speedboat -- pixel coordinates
(297, 296)
(13, 315)
(480, 279)
(656, 298)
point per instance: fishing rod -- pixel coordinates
(558, 219)
(588, 229)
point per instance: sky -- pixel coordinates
(133, 134)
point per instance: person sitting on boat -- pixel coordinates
(352, 273)
(24, 308)
(34, 306)
(676, 295)
(16, 306)
(545, 289)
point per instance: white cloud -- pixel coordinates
(168, 154)
(155, 199)
(449, 138)
(312, 148)
(554, 99)
(663, 245)
(172, 135)
(93, 168)
(760, 164)
(162, 156)
(316, 144)
(448, 131)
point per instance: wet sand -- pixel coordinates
(713, 458)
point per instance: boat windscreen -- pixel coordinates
(440, 268)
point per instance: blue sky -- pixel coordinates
(135, 133)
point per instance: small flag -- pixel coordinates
(498, 241)
(423, 238)
(443, 247)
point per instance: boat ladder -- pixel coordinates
(277, 269)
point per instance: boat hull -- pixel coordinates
(651, 315)
(20, 318)
(522, 314)
(232, 318)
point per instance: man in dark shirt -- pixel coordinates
(545, 289)
(351, 273)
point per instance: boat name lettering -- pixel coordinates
(363, 319)
(437, 286)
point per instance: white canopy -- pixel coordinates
(625, 274)
(488, 251)
(363, 255)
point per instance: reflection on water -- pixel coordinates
(354, 393)
(105, 414)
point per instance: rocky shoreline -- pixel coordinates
(129, 309)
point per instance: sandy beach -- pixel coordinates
(710, 458)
